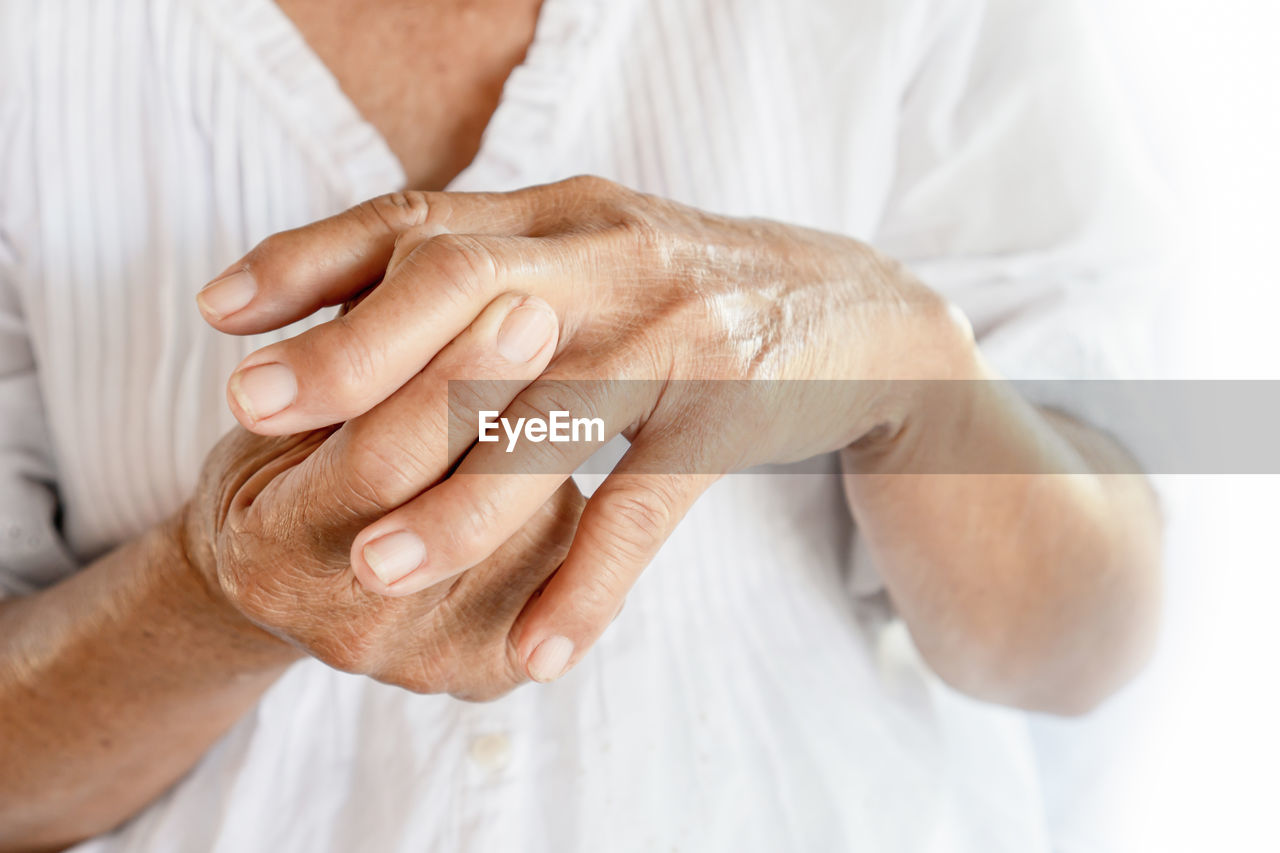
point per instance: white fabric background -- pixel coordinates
(1184, 761)
(742, 677)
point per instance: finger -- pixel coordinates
(493, 493)
(476, 620)
(378, 461)
(341, 369)
(293, 273)
(625, 522)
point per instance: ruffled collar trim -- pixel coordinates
(518, 146)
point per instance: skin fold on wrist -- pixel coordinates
(201, 596)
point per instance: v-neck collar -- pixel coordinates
(518, 141)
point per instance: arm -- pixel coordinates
(116, 680)
(1039, 591)
(1034, 590)
(113, 683)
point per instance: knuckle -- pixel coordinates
(370, 490)
(349, 364)
(478, 392)
(407, 241)
(538, 403)
(466, 254)
(555, 394)
(484, 389)
(601, 199)
(639, 234)
(599, 593)
(397, 211)
(590, 185)
(382, 470)
(469, 535)
(470, 264)
(636, 519)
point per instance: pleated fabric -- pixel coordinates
(755, 694)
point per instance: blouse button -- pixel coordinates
(491, 751)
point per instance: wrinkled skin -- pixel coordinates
(644, 289)
(270, 529)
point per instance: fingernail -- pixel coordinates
(227, 295)
(395, 555)
(550, 659)
(264, 390)
(525, 332)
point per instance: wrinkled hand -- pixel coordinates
(645, 289)
(271, 524)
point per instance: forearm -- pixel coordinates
(112, 684)
(1029, 587)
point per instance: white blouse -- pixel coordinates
(757, 692)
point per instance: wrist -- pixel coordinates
(926, 391)
(193, 589)
(941, 343)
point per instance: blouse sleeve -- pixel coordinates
(1023, 195)
(33, 554)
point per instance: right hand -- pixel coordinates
(272, 521)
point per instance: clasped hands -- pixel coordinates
(345, 521)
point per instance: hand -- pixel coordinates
(272, 521)
(645, 289)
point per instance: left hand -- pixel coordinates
(646, 289)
